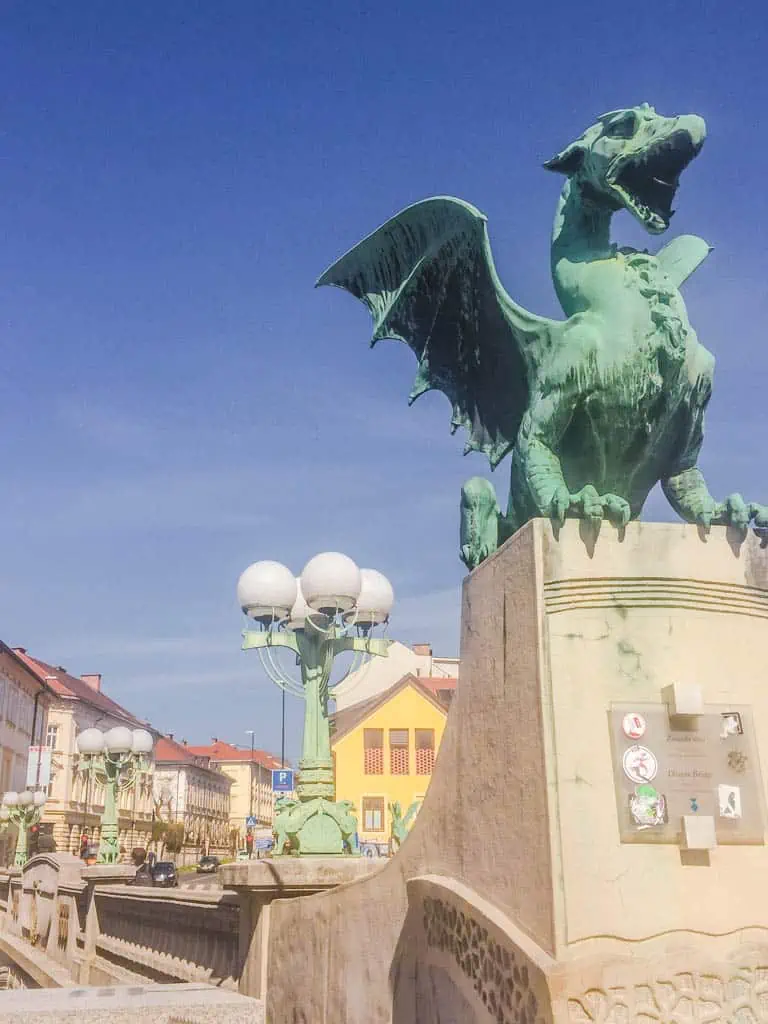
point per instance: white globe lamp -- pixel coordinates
(331, 583)
(142, 742)
(38, 798)
(25, 798)
(375, 600)
(5, 813)
(90, 741)
(11, 798)
(266, 591)
(118, 740)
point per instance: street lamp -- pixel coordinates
(332, 608)
(118, 759)
(23, 810)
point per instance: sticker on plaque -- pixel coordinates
(737, 761)
(647, 807)
(633, 725)
(729, 801)
(731, 725)
(640, 764)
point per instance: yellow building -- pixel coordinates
(384, 751)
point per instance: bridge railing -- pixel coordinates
(100, 931)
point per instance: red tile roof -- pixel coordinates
(169, 750)
(437, 683)
(67, 686)
(221, 751)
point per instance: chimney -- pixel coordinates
(423, 649)
(214, 739)
(170, 735)
(93, 680)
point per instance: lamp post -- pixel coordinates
(118, 759)
(332, 608)
(23, 810)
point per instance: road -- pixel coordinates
(191, 880)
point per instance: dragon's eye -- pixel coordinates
(624, 128)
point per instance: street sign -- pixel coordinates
(39, 767)
(282, 780)
(251, 822)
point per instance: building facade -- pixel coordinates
(251, 794)
(384, 752)
(75, 800)
(380, 674)
(187, 789)
(25, 701)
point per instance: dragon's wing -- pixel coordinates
(428, 278)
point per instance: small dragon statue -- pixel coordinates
(401, 823)
(594, 409)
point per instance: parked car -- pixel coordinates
(143, 874)
(207, 865)
(164, 873)
(369, 849)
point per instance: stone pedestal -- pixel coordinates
(259, 882)
(525, 890)
(565, 635)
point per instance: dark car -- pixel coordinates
(164, 873)
(143, 874)
(207, 865)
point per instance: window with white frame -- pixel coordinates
(11, 704)
(52, 736)
(26, 712)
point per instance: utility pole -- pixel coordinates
(248, 832)
(250, 776)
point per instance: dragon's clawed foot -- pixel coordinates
(588, 504)
(759, 516)
(734, 512)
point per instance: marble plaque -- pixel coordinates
(667, 767)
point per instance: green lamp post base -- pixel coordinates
(316, 826)
(109, 846)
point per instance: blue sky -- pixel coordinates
(177, 401)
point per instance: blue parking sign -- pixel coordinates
(282, 780)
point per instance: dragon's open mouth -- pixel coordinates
(646, 183)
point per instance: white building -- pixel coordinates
(187, 789)
(379, 674)
(76, 802)
(24, 703)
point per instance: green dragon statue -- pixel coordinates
(594, 409)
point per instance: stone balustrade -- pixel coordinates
(65, 924)
(166, 935)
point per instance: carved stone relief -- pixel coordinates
(736, 997)
(499, 974)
